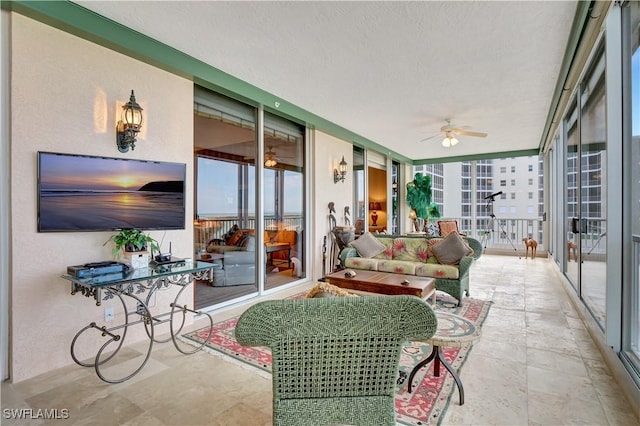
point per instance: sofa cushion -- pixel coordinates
(411, 249)
(362, 263)
(435, 270)
(367, 245)
(387, 253)
(398, 266)
(451, 249)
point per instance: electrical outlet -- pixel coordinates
(108, 314)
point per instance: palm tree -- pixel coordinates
(419, 199)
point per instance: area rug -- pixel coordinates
(428, 401)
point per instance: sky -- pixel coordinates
(98, 173)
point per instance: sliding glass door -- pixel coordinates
(225, 147)
(252, 248)
(284, 196)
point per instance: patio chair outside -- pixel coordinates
(335, 360)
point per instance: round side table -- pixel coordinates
(453, 331)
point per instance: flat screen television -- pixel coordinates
(87, 193)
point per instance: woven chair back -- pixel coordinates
(335, 348)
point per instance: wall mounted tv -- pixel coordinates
(86, 193)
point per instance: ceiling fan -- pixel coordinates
(270, 158)
(450, 131)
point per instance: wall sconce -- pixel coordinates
(129, 125)
(374, 215)
(394, 186)
(341, 172)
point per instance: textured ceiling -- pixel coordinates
(391, 72)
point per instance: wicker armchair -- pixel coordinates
(335, 360)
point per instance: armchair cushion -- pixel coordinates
(451, 249)
(368, 246)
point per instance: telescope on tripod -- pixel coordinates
(491, 225)
(493, 196)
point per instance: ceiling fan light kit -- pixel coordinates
(449, 140)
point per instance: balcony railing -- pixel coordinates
(215, 227)
(502, 234)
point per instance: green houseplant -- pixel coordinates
(419, 199)
(131, 240)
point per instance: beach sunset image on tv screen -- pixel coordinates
(85, 193)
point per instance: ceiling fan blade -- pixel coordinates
(469, 133)
(430, 137)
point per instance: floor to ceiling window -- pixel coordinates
(593, 178)
(571, 185)
(509, 188)
(631, 344)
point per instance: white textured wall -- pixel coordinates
(327, 153)
(65, 96)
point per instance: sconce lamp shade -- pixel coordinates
(341, 172)
(129, 125)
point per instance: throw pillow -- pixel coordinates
(451, 249)
(447, 226)
(328, 290)
(368, 245)
(230, 233)
(235, 238)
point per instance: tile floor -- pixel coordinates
(535, 364)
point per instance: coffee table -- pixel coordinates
(385, 283)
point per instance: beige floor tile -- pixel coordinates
(565, 409)
(488, 401)
(560, 384)
(553, 361)
(506, 349)
(534, 364)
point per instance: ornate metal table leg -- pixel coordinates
(422, 363)
(120, 339)
(453, 373)
(437, 357)
(184, 310)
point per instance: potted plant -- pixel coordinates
(131, 240)
(419, 199)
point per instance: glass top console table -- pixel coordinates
(134, 290)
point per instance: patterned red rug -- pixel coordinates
(430, 396)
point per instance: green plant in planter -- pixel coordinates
(419, 199)
(131, 240)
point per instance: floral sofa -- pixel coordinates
(447, 259)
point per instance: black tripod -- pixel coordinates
(491, 225)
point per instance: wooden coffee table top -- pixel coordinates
(384, 283)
